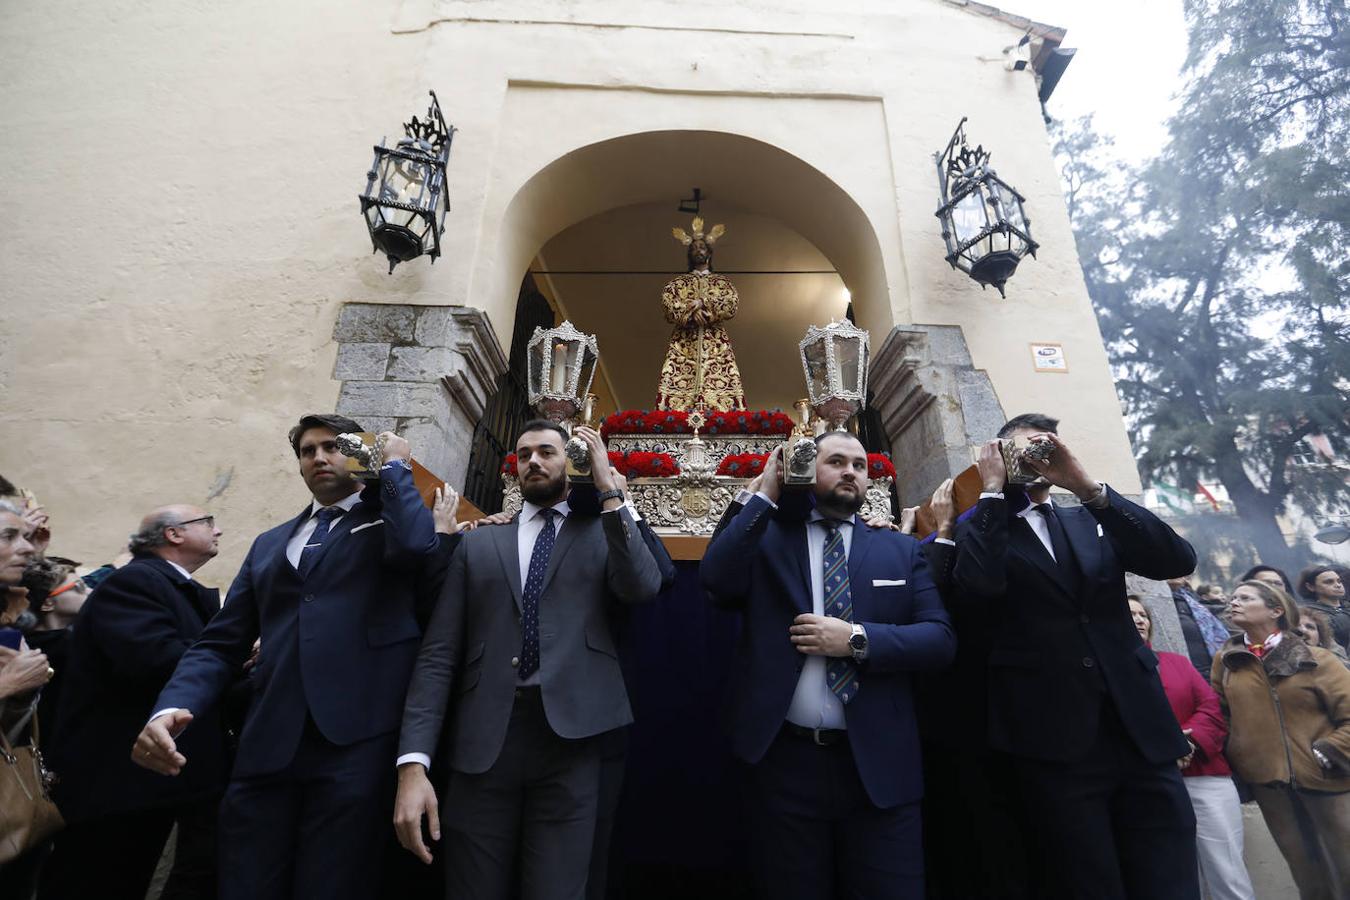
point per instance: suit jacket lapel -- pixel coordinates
(1080, 529)
(205, 601)
(507, 541)
(861, 543)
(1023, 539)
(269, 566)
(357, 515)
(568, 534)
(799, 550)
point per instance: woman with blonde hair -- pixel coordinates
(1288, 707)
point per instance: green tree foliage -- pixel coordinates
(1220, 271)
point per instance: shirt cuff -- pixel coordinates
(948, 541)
(163, 712)
(632, 510)
(766, 499)
(743, 496)
(992, 495)
(402, 463)
(415, 758)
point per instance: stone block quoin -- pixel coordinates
(426, 372)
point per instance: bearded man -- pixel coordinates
(519, 657)
(838, 617)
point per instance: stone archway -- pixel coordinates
(737, 171)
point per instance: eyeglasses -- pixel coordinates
(209, 520)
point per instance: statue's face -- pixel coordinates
(699, 253)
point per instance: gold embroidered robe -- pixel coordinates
(700, 367)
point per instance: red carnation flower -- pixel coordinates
(879, 465)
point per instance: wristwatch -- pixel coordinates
(857, 642)
(612, 494)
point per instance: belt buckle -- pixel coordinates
(815, 737)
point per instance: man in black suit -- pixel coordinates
(1074, 694)
(334, 595)
(127, 640)
(520, 660)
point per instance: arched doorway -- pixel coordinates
(592, 230)
(736, 172)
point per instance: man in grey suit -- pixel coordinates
(520, 656)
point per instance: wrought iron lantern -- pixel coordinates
(983, 220)
(835, 359)
(561, 366)
(405, 203)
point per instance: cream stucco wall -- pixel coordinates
(181, 225)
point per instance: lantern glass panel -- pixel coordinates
(536, 368)
(1012, 208)
(405, 181)
(588, 361)
(563, 360)
(846, 355)
(817, 369)
(968, 216)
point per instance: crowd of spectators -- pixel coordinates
(1261, 694)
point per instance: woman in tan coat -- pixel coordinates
(1288, 707)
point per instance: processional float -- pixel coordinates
(686, 463)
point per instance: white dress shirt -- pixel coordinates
(1036, 519)
(296, 545)
(814, 705)
(179, 569)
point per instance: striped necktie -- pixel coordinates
(842, 672)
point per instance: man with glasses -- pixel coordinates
(129, 637)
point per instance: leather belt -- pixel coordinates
(821, 737)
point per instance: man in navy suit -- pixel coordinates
(333, 594)
(129, 637)
(1074, 695)
(838, 617)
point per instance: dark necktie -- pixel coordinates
(842, 672)
(529, 599)
(310, 551)
(1058, 540)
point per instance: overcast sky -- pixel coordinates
(1126, 70)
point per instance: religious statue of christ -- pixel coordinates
(700, 369)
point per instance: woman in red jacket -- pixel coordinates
(1218, 814)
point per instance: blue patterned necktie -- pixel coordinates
(529, 600)
(842, 672)
(310, 551)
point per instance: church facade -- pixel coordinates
(187, 271)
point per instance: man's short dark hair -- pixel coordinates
(847, 434)
(339, 424)
(544, 425)
(1034, 421)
